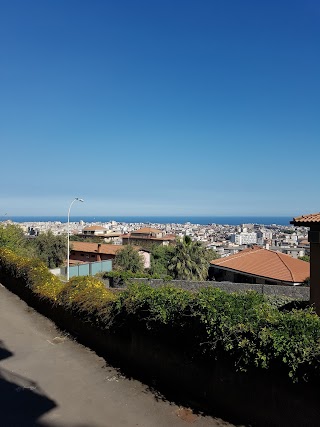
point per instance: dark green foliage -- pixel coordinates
(51, 249)
(128, 259)
(75, 238)
(156, 306)
(295, 342)
(242, 326)
(164, 256)
(189, 261)
(160, 259)
(305, 258)
(211, 254)
(121, 278)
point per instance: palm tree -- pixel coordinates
(189, 261)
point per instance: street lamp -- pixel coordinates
(77, 199)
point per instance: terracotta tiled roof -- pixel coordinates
(113, 234)
(164, 238)
(306, 219)
(93, 248)
(95, 227)
(170, 236)
(147, 230)
(105, 248)
(304, 242)
(265, 263)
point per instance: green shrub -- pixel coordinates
(243, 328)
(32, 272)
(85, 294)
(122, 278)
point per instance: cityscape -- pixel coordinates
(159, 213)
(224, 239)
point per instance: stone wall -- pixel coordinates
(296, 292)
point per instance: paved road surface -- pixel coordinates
(47, 379)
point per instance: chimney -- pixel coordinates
(98, 250)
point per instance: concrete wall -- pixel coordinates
(296, 292)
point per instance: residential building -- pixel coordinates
(103, 233)
(147, 237)
(91, 252)
(261, 266)
(244, 238)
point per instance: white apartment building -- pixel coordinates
(263, 235)
(244, 238)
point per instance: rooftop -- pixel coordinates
(93, 248)
(164, 238)
(146, 230)
(265, 263)
(306, 219)
(105, 248)
(95, 227)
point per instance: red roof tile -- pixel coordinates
(93, 248)
(306, 219)
(105, 248)
(265, 263)
(95, 227)
(164, 238)
(146, 230)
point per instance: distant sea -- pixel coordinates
(203, 220)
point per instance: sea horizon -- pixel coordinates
(158, 219)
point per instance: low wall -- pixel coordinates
(259, 398)
(296, 292)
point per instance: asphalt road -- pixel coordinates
(47, 379)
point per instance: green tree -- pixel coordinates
(128, 259)
(12, 237)
(305, 258)
(50, 248)
(189, 261)
(211, 254)
(160, 259)
(93, 239)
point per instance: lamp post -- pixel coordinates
(77, 199)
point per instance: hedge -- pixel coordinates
(243, 328)
(122, 278)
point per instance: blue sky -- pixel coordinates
(160, 107)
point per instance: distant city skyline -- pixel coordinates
(160, 108)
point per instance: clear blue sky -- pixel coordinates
(160, 107)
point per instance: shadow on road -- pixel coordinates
(4, 352)
(22, 402)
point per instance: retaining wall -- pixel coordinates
(296, 292)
